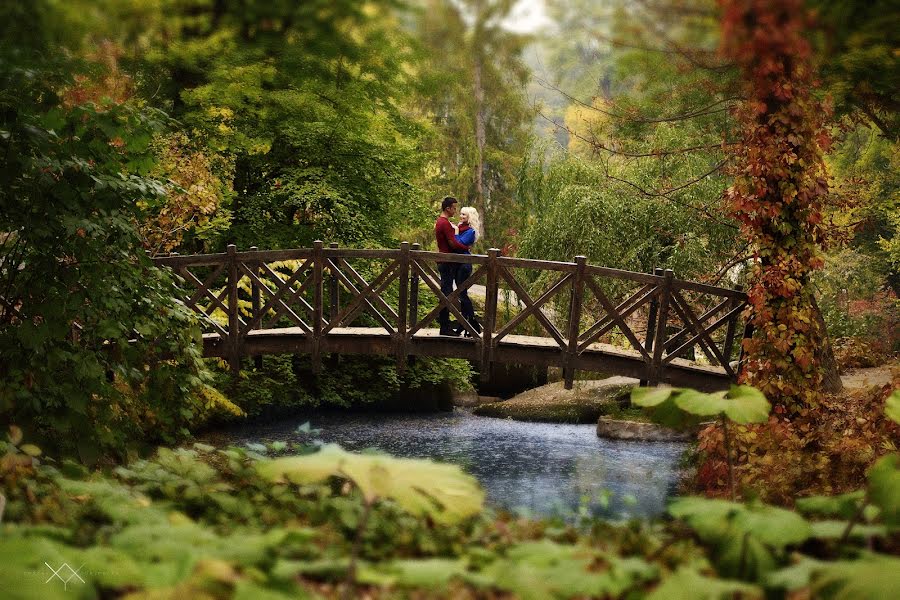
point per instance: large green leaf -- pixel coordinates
(742, 404)
(426, 573)
(892, 406)
(421, 487)
(773, 526)
(884, 488)
(844, 505)
(649, 397)
(698, 403)
(834, 530)
(747, 404)
(545, 569)
(873, 577)
(687, 584)
(744, 537)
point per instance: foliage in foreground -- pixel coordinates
(95, 354)
(235, 524)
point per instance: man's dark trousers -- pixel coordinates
(448, 273)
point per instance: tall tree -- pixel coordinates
(473, 92)
(779, 192)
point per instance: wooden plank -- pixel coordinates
(413, 292)
(234, 338)
(530, 263)
(677, 340)
(276, 299)
(334, 295)
(650, 332)
(403, 297)
(703, 288)
(625, 308)
(448, 301)
(293, 295)
(617, 318)
(255, 305)
(194, 260)
(203, 286)
(645, 278)
(490, 314)
(531, 307)
(362, 296)
(345, 253)
(656, 367)
(318, 317)
(729, 316)
(263, 256)
(365, 284)
(448, 257)
(706, 344)
(574, 321)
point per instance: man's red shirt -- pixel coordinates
(446, 237)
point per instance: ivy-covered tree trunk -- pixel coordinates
(778, 193)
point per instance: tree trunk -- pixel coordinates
(479, 147)
(831, 377)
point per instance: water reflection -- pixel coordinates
(536, 468)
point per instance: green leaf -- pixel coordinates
(844, 505)
(794, 577)
(421, 487)
(30, 449)
(698, 403)
(884, 488)
(874, 577)
(774, 526)
(649, 397)
(746, 404)
(427, 573)
(834, 530)
(688, 584)
(892, 406)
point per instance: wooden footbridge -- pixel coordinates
(573, 315)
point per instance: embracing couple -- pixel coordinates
(459, 239)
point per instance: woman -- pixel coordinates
(466, 234)
(468, 228)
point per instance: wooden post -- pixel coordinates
(414, 293)
(402, 309)
(255, 303)
(659, 341)
(318, 265)
(742, 355)
(730, 329)
(490, 313)
(651, 323)
(574, 320)
(334, 298)
(234, 337)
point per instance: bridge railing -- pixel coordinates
(573, 308)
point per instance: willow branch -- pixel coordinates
(700, 112)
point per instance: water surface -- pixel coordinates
(535, 468)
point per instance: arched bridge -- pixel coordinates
(572, 315)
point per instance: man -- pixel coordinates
(446, 242)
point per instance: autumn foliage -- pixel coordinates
(827, 450)
(778, 193)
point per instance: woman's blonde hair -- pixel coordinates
(474, 219)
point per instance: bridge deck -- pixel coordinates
(519, 349)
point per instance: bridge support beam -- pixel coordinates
(574, 321)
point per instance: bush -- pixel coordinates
(823, 451)
(96, 356)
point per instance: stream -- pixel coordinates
(536, 469)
